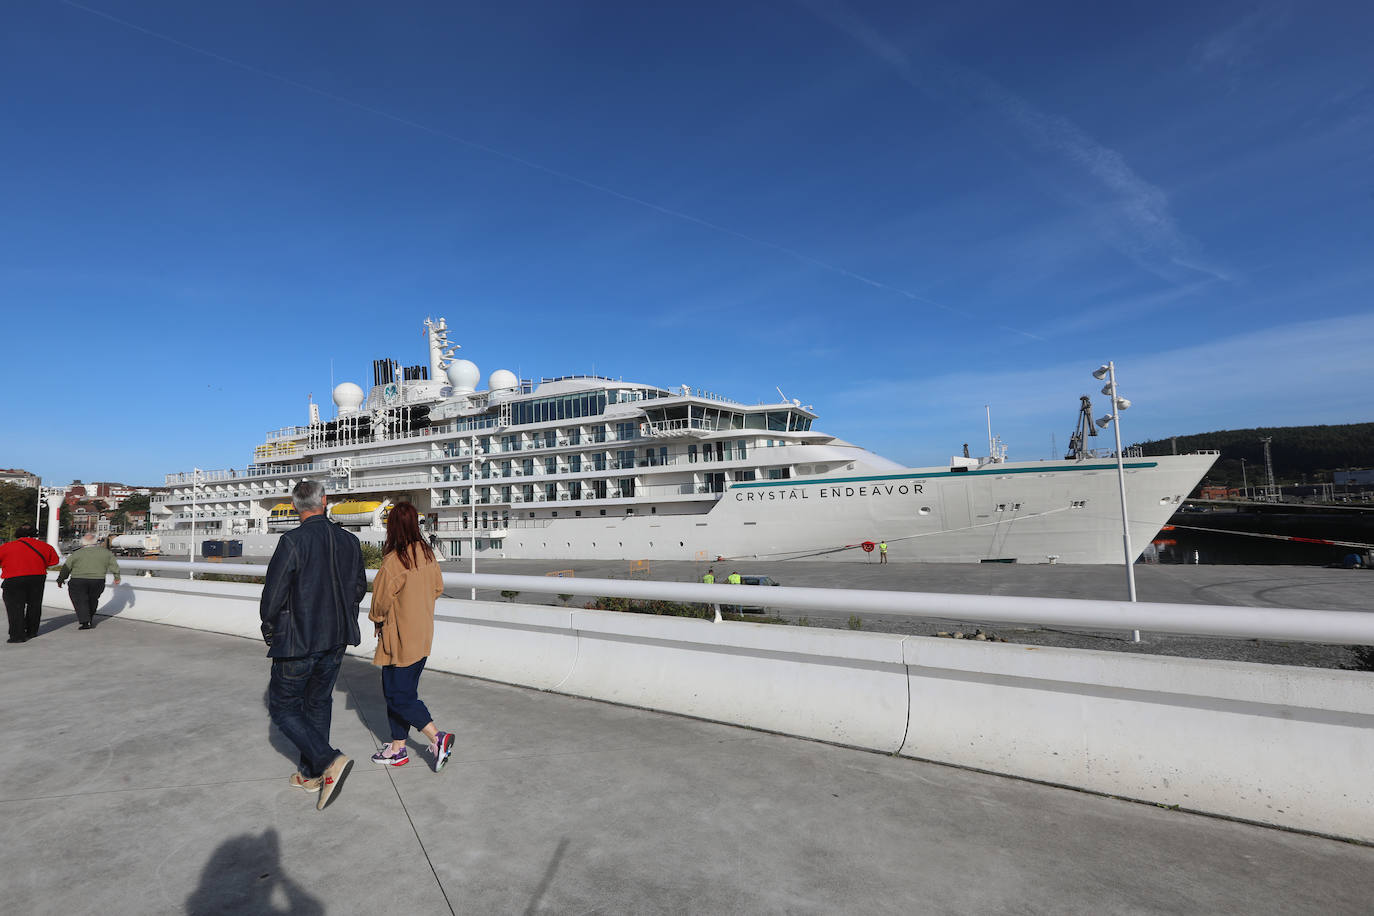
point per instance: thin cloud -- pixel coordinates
(1139, 223)
(1233, 47)
(548, 170)
(1292, 374)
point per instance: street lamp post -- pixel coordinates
(191, 550)
(1244, 484)
(472, 510)
(1114, 418)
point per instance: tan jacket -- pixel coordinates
(403, 603)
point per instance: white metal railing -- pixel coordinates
(381, 460)
(404, 480)
(669, 427)
(1302, 625)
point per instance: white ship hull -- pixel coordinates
(1026, 512)
(587, 467)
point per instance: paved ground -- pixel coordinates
(143, 778)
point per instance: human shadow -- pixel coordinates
(122, 597)
(362, 682)
(244, 876)
(274, 736)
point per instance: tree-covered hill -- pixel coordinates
(1300, 453)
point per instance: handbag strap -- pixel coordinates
(26, 543)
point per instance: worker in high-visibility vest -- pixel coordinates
(710, 577)
(733, 578)
(882, 552)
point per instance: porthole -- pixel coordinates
(1164, 500)
(680, 544)
(925, 510)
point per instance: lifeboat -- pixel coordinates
(282, 516)
(358, 513)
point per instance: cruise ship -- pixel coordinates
(587, 467)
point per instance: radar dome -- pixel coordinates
(463, 375)
(502, 380)
(347, 397)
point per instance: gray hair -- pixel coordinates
(308, 496)
(87, 540)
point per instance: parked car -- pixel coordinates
(752, 580)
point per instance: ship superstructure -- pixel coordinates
(592, 467)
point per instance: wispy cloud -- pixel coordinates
(1234, 46)
(1133, 213)
(1291, 374)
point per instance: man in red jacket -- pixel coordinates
(24, 564)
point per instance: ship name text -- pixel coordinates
(866, 491)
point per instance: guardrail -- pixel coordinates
(1319, 626)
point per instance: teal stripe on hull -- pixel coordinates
(798, 482)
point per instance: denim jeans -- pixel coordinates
(404, 708)
(300, 700)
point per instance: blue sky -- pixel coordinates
(897, 213)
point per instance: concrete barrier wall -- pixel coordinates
(1277, 745)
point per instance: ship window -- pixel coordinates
(555, 513)
(1078, 504)
(739, 447)
(603, 512)
(925, 510)
(578, 513)
(653, 510)
(692, 454)
(1001, 507)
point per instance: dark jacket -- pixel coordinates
(315, 582)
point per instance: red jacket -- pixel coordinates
(27, 557)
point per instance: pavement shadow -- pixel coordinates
(362, 683)
(122, 596)
(244, 875)
(279, 742)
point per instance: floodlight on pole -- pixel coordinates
(1114, 419)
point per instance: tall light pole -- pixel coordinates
(52, 498)
(191, 550)
(1114, 418)
(1244, 484)
(472, 509)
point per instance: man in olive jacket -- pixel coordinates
(309, 609)
(87, 568)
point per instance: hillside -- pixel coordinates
(1300, 453)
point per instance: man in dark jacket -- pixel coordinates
(309, 612)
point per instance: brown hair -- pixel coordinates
(402, 532)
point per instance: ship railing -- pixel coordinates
(380, 460)
(686, 424)
(404, 480)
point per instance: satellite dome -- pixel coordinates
(502, 380)
(463, 375)
(347, 397)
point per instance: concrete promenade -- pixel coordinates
(144, 777)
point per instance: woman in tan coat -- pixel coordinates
(403, 610)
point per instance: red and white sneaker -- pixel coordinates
(389, 758)
(441, 748)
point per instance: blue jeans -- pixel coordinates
(300, 700)
(404, 709)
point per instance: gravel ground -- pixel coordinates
(1234, 586)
